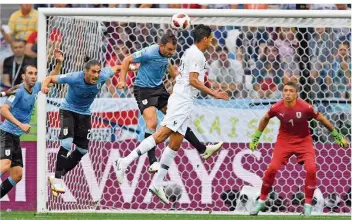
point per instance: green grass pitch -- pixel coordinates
(102, 216)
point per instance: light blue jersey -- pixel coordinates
(152, 67)
(81, 95)
(22, 105)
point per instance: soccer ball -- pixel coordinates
(180, 21)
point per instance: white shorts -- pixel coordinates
(178, 114)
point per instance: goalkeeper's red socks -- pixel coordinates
(268, 182)
(310, 185)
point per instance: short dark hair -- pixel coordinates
(168, 37)
(293, 84)
(17, 40)
(345, 42)
(201, 31)
(220, 49)
(91, 63)
(24, 69)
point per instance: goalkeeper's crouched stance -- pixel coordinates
(293, 139)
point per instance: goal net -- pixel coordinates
(252, 58)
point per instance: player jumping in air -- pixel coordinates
(150, 92)
(293, 139)
(75, 115)
(180, 105)
(17, 110)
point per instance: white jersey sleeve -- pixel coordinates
(193, 60)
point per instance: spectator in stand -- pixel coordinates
(226, 74)
(5, 47)
(250, 43)
(339, 79)
(13, 65)
(255, 6)
(31, 46)
(327, 6)
(287, 45)
(268, 74)
(321, 50)
(191, 6)
(219, 6)
(120, 52)
(22, 23)
(288, 6)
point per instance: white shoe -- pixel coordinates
(160, 194)
(211, 149)
(154, 168)
(56, 186)
(120, 171)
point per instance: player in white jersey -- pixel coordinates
(180, 105)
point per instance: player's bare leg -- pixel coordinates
(166, 160)
(11, 181)
(151, 121)
(204, 151)
(121, 164)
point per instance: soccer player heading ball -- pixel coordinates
(179, 110)
(293, 139)
(150, 92)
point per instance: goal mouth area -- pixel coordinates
(85, 32)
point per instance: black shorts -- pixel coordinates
(10, 148)
(147, 97)
(76, 126)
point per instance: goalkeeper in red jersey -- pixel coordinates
(293, 139)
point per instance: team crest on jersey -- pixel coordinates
(98, 85)
(7, 152)
(298, 114)
(145, 101)
(65, 131)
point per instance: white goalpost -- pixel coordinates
(264, 48)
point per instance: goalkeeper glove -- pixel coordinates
(339, 139)
(255, 140)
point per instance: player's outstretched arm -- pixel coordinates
(59, 60)
(124, 68)
(339, 139)
(256, 136)
(48, 81)
(194, 81)
(10, 91)
(5, 111)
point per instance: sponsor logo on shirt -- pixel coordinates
(11, 98)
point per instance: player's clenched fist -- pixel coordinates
(121, 85)
(339, 139)
(25, 128)
(45, 90)
(255, 140)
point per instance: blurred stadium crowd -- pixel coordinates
(247, 62)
